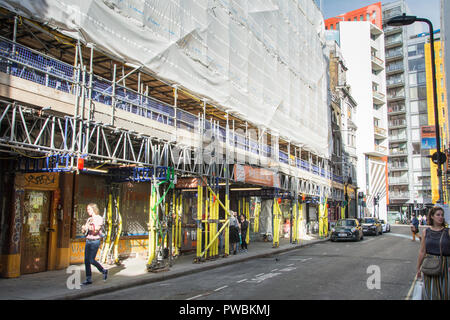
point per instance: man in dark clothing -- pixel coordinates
(415, 228)
(244, 229)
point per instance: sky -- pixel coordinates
(429, 9)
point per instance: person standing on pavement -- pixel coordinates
(92, 228)
(435, 287)
(234, 232)
(420, 220)
(415, 228)
(244, 229)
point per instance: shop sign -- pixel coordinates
(39, 180)
(256, 176)
(188, 183)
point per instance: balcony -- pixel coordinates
(398, 181)
(394, 68)
(397, 123)
(377, 63)
(399, 195)
(378, 98)
(398, 138)
(396, 109)
(396, 97)
(398, 167)
(393, 43)
(380, 149)
(397, 152)
(391, 30)
(394, 56)
(380, 133)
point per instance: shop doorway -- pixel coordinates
(35, 231)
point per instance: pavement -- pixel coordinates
(62, 284)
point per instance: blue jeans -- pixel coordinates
(90, 252)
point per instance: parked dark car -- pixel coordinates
(347, 229)
(371, 226)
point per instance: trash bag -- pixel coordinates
(418, 288)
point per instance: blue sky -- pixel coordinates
(429, 9)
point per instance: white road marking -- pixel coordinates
(400, 235)
(218, 289)
(276, 269)
(241, 280)
(259, 274)
(288, 269)
(289, 265)
(200, 295)
(297, 259)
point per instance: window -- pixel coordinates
(416, 64)
(416, 49)
(418, 93)
(417, 78)
(418, 106)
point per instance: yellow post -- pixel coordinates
(256, 221)
(152, 229)
(180, 219)
(107, 243)
(119, 231)
(301, 221)
(199, 219)
(247, 216)
(206, 241)
(294, 222)
(276, 224)
(227, 229)
(174, 224)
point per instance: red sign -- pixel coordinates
(256, 176)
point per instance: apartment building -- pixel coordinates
(362, 43)
(442, 110)
(409, 169)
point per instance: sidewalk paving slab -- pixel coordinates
(52, 285)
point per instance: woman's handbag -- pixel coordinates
(432, 265)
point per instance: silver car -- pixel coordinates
(386, 226)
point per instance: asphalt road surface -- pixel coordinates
(377, 268)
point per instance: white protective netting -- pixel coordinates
(260, 59)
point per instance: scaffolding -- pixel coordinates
(134, 135)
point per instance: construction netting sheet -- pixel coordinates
(259, 59)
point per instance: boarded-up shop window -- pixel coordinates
(133, 203)
(91, 189)
(134, 207)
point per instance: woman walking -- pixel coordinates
(436, 242)
(92, 228)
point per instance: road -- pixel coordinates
(377, 268)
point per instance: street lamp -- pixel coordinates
(405, 20)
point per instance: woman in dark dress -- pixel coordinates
(234, 232)
(435, 287)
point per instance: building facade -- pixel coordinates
(362, 44)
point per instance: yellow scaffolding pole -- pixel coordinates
(256, 221)
(119, 231)
(180, 217)
(247, 216)
(107, 243)
(199, 219)
(294, 222)
(227, 230)
(152, 229)
(276, 223)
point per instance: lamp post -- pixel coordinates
(405, 20)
